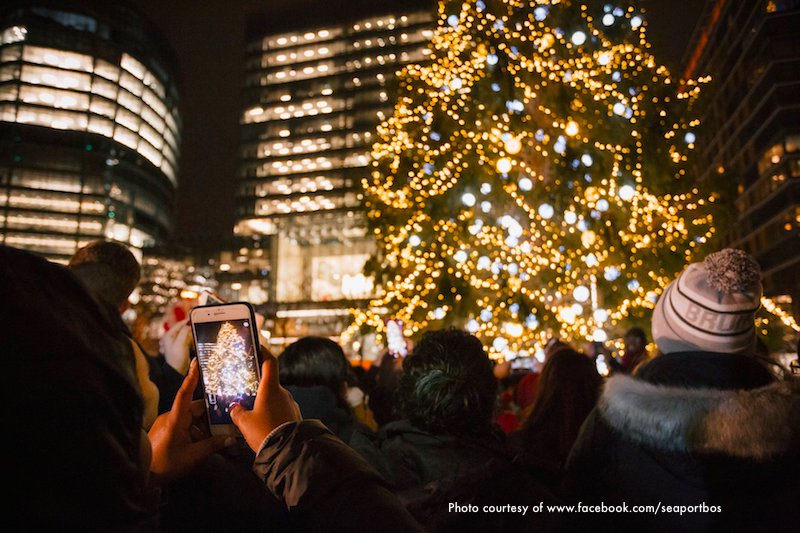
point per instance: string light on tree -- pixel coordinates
(580, 137)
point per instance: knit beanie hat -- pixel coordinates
(710, 306)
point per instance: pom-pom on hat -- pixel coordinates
(710, 306)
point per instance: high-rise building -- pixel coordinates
(89, 128)
(751, 127)
(313, 98)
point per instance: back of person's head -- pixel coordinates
(109, 269)
(448, 385)
(568, 390)
(637, 334)
(315, 361)
(71, 402)
(711, 306)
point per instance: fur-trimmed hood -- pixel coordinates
(754, 424)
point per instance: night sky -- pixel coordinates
(207, 39)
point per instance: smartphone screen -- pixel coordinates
(226, 351)
(395, 340)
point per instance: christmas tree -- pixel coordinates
(531, 180)
(230, 370)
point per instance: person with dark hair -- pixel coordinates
(704, 425)
(635, 351)
(567, 392)
(316, 372)
(445, 448)
(111, 272)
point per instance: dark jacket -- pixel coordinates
(325, 484)
(72, 404)
(692, 429)
(428, 472)
(322, 404)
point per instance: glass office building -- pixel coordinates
(313, 98)
(89, 129)
(751, 128)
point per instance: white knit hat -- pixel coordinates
(710, 306)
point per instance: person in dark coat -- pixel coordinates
(703, 433)
(111, 272)
(320, 480)
(567, 392)
(72, 402)
(445, 448)
(316, 373)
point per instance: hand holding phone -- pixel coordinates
(227, 347)
(174, 450)
(273, 407)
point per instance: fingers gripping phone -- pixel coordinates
(226, 342)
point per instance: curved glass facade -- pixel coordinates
(89, 133)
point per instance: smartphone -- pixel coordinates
(395, 340)
(601, 364)
(226, 341)
(520, 363)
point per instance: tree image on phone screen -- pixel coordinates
(227, 361)
(229, 367)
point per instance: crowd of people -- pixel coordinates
(108, 437)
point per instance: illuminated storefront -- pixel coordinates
(89, 131)
(312, 100)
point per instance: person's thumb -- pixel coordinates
(238, 415)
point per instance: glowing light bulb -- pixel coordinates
(570, 217)
(599, 335)
(525, 184)
(468, 199)
(608, 19)
(578, 38)
(611, 273)
(513, 145)
(626, 192)
(460, 256)
(503, 165)
(600, 315)
(414, 240)
(572, 128)
(588, 238)
(546, 211)
(581, 293)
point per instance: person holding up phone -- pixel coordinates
(309, 469)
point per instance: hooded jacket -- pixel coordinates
(428, 472)
(714, 433)
(325, 485)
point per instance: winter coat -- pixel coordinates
(321, 403)
(692, 429)
(72, 405)
(325, 484)
(429, 471)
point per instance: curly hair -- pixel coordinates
(448, 385)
